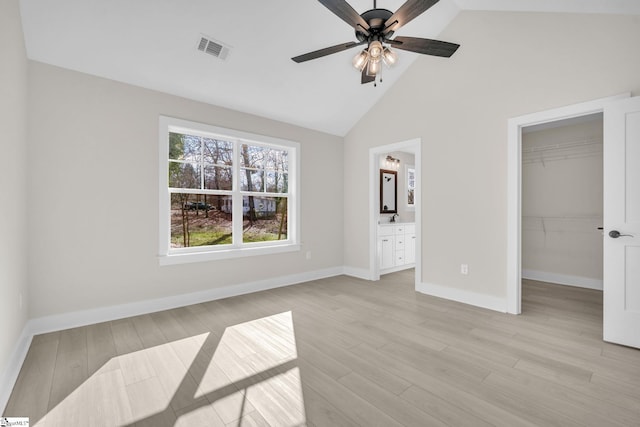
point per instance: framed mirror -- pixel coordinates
(388, 191)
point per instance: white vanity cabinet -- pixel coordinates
(396, 246)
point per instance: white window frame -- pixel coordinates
(168, 255)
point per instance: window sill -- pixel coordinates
(185, 258)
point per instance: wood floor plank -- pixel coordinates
(71, 368)
(150, 404)
(252, 419)
(440, 408)
(149, 333)
(355, 407)
(198, 415)
(110, 408)
(31, 393)
(392, 405)
(169, 326)
(133, 361)
(101, 348)
(173, 377)
(323, 413)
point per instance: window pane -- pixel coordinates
(277, 182)
(277, 160)
(200, 220)
(184, 175)
(184, 147)
(217, 151)
(252, 156)
(251, 180)
(264, 218)
(217, 178)
(176, 146)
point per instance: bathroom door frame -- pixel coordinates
(411, 146)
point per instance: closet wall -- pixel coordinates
(562, 203)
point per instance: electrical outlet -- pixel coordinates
(464, 269)
(308, 254)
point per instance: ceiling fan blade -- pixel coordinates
(425, 46)
(366, 78)
(407, 12)
(344, 11)
(324, 52)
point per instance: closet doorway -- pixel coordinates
(514, 180)
(562, 202)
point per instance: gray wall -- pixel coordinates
(508, 65)
(14, 167)
(94, 182)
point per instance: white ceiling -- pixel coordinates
(153, 44)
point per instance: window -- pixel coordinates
(225, 193)
(411, 186)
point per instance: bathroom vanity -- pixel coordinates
(396, 246)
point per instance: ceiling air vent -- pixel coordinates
(214, 48)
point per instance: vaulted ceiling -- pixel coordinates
(154, 44)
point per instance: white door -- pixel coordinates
(622, 222)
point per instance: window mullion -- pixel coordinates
(201, 163)
(237, 217)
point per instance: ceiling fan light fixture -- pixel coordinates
(389, 57)
(360, 60)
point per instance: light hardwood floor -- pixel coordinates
(338, 352)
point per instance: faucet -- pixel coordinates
(393, 218)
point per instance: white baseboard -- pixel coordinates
(466, 297)
(563, 279)
(103, 314)
(10, 374)
(359, 273)
(397, 268)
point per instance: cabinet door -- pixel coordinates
(410, 248)
(386, 252)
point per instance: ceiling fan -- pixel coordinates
(375, 28)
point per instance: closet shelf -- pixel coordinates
(574, 149)
(565, 145)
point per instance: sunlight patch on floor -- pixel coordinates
(248, 375)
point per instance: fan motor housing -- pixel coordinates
(376, 19)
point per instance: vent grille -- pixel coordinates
(214, 48)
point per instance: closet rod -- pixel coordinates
(564, 145)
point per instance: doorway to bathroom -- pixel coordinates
(401, 160)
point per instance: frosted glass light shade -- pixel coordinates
(360, 60)
(389, 57)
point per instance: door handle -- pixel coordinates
(614, 234)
